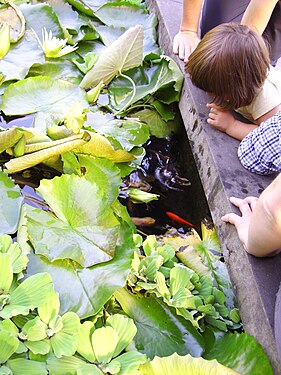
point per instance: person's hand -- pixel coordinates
(185, 43)
(241, 223)
(220, 119)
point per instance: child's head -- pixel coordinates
(231, 62)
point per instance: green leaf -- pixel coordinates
(125, 328)
(68, 18)
(64, 342)
(48, 311)
(10, 204)
(44, 95)
(128, 133)
(57, 69)
(69, 234)
(34, 330)
(187, 365)
(125, 53)
(21, 366)
(8, 345)
(32, 292)
(84, 347)
(179, 278)
(240, 352)
(39, 347)
(71, 366)
(41, 15)
(104, 341)
(160, 78)
(89, 288)
(160, 331)
(157, 126)
(6, 273)
(101, 171)
(21, 57)
(129, 362)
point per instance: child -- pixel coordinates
(231, 64)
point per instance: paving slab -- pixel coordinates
(255, 280)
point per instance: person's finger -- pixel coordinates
(211, 121)
(212, 115)
(231, 218)
(181, 51)
(252, 201)
(243, 205)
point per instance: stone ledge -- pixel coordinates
(256, 281)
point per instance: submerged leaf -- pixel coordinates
(123, 54)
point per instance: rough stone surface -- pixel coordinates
(255, 280)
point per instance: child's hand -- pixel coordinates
(241, 223)
(185, 43)
(220, 119)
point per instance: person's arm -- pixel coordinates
(258, 13)
(226, 123)
(259, 227)
(187, 38)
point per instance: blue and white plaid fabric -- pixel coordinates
(260, 150)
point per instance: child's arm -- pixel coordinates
(187, 38)
(258, 13)
(260, 151)
(225, 122)
(259, 227)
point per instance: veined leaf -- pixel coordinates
(85, 229)
(104, 341)
(21, 366)
(160, 330)
(91, 287)
(186, 365)
(85, 348)
(8, 345)
(10, 204)
(6, 273)
(240, 352)
(42, 94)
(123, 54)
(129, 363)
(125, 328)
(71, 366)
(32, 292)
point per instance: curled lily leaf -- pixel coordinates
(53, 47)
(11, 14)
(4, 39)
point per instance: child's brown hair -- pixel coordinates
(231, 62)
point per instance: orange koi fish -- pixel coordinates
(180, 220)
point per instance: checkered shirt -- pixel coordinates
(260, 150)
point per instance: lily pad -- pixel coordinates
(84, 229)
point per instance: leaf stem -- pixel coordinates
(132, 97)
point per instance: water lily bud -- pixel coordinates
(4, 39)
(139, 196)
